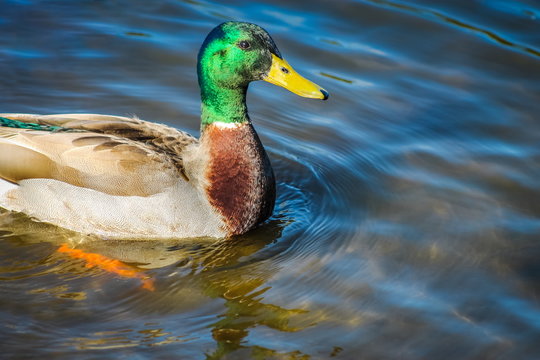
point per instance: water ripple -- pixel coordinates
(406, 220)
(458, 23)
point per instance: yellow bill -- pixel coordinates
(282, 74)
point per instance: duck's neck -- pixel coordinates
(223, 105)
(240, 181)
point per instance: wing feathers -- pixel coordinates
(29, 163)
(115, 155)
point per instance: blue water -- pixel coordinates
(408, 207)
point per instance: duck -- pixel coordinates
(123, 177)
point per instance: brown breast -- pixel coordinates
(240, 179)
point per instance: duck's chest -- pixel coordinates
(239, 181)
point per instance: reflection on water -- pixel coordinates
(195, 268)
(407, 214)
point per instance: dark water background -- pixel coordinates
(407, 224)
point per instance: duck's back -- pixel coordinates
(112, 154)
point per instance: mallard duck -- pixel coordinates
(122, 177)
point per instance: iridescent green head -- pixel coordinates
(233, 55)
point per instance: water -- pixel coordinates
(408, 207)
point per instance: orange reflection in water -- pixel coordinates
(110, 265)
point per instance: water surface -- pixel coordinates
(408, 206)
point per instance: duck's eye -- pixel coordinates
(244, 45)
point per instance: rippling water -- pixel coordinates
(408, 207)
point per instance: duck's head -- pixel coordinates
(236, 53)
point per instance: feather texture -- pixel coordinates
(114, 176)
(115, 155)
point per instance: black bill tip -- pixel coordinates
(325, 94)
